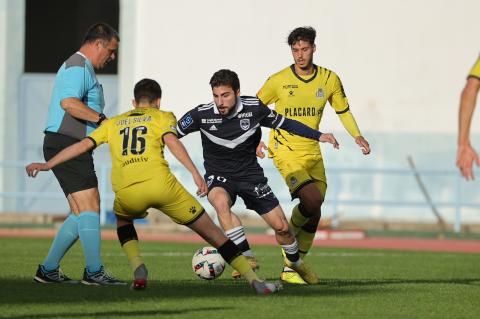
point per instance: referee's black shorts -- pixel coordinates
(74, 175)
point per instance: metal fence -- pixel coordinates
(451, 196)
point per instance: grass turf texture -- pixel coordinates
(354, 284)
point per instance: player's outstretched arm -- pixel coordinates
(466, 154)
(178, 150)
(66, 154)
(298, 128)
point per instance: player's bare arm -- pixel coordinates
(79, 110)
(466, 154)
(178, 150)
(68, 153)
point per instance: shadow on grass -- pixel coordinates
(136, 313)
(378, 282)
(18, 292)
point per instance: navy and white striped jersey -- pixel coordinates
(229, 143)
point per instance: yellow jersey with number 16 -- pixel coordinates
(136, 144)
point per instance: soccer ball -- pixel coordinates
(207, 263)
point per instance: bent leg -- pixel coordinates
(277, 221)
(311, 200)
(220, 199)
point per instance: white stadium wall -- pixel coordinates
(403, 63)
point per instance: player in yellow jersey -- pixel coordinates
(142, 179)
(301, 92)
(466, 155)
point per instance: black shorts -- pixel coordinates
(257, 195)
(74, 175)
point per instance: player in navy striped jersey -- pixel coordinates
(230, 132)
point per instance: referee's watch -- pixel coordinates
(101, 118)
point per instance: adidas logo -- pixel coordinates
(213, 128)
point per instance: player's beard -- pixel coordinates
(232, 109)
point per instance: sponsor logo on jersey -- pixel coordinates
(245, 124)
(262, 190)
(291, 93)
(319, 93)
(186, 121)
(213, 128)
(211, 121)
(246, 114)
(290, 86)
(302, 111)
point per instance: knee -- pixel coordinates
(222, 207)
(281, 229)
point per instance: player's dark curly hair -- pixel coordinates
(147, 91)
(306, 34)
(102, 31)
(225, 77)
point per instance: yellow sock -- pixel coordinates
(133, 253)
(305, 241)
(241, 264)
(297, 220)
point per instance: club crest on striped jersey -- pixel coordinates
(245, 124)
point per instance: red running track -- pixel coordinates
(415, 244)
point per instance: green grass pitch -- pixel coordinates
(354, 284)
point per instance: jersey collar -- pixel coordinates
(315, 71)
(80, 53)
(86, 59)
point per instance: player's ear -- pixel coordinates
(98, 43)
(134, 103)
(157, 103)
(314, 48)
(237, 93)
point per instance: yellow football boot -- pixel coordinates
(291, 277)
(304, 271)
